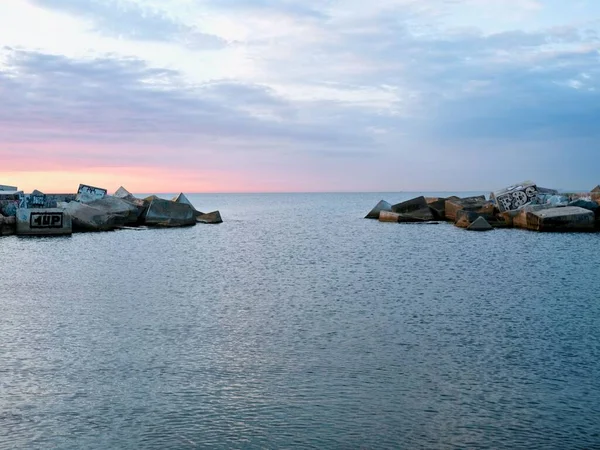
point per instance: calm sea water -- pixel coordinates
(296, 323)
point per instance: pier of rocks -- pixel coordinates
(523, 205)
(93, 209)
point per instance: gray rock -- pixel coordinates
(480, 224)
(119, 207)
(43, 222)
(166, 213)
(89, 218)
(123, 193)
(478, 203)
(212, 217)
(381, 206)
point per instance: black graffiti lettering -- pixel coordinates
(46, 220)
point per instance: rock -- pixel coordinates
(4, 187)
(480, 224)
(438, 208)
(465, 218)
(89, 218)
(388, 216)
(119, 207)
(381, 206)
(7, 225)
(166, 213)
(454, 204)
(123, 193)
(416, 208)
(568, 218)
(212, 217)
(43, 222)
(181, 198)
(596, 189)
(150, 198)
(585, 204)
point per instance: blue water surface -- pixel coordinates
(298, 324)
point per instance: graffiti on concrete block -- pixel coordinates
(91, 191)
(46, 220)
(513, 197)
(32, 201)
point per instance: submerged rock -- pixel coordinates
(480, 224)
(381, 206)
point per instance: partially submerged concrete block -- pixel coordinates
(43, 222)
(212, 218)
(480, 224)
(416, 208)
(119, 207)
(381, 206)
(89, 218)
(568, 218)
(437, 208)
(166, 213)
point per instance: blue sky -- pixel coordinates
(265, 95)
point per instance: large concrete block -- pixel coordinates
(166, 213)
(416, 208)
(4, 187)
(43, 222)
(515, 196)
(388, 216)
(568, 218)
(454, 204)
(381, 206)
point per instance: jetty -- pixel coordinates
(522, 205)
(93, 209)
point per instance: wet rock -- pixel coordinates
(568, 218)
(381, 206)
(480, 224)
(43, 222)
(212, 217)
(454, 204)
(166, 213)
(414, 210)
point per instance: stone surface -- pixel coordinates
(416, 208)
(388, 216)
(212, 218)
(381, 206)
(480, 224)
(438, 208)
(43, 222)
(119, 207)
(89, 218)
(453, 205)
(4, 187)
(166, 213)
(568, 218)
(596, 189)
(123, 193)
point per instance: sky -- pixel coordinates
(299, 96)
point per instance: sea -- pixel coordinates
(298, 324)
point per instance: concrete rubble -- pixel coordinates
(92, 209)
(524, 205)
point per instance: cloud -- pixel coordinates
(130, 20)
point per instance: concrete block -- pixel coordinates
(381, 206)
(43, 222)
(169, 214)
